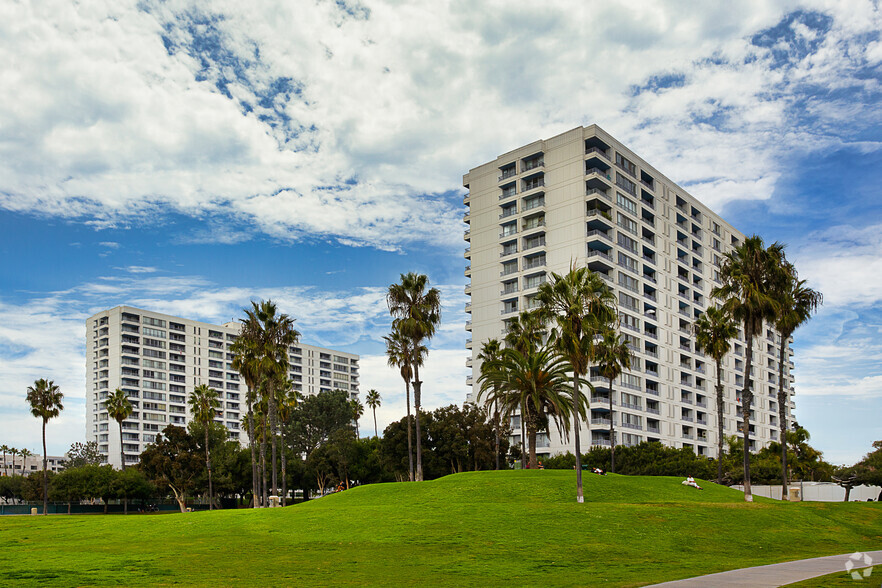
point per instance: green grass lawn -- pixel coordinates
(483, 528)
(840, 579)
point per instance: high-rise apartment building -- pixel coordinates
(582, 197)
(158, 359)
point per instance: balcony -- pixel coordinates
(602, 152)
(598, 192)
(653, 411)
(601, 254)
(507, 212)
(632, 426)
(533, 184)
(601, 234)
(603, 422)
(508, 173)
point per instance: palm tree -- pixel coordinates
(119, 409)
(537, 383)
(5, 449)
(45, 400)
(580, 303)
(273, 333)
(373, 401)
(13, 452)
(749, 275)
(714, 330)
(357, 413)
(24, 454)
(204, 404)
(401, 354)
(525, 332)
(417, 312)
(613, 355)
(490, 352)
(286, 398)
(246, 362)
(797, 303)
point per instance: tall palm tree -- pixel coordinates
(286, 398)
(119, 409)
(525, 332)
(13, 452)
(247, 363)
(45, 398)
(613, 356)
(417, 311)
(273, 334)
(204, 403)
(749, 275)
(537, 383)
(357, 413)
(490, 352)
(714, 330)
(4, 449)
(797, 302)
(402, 354)
(373, 401)
(24, 454)
(580, 303)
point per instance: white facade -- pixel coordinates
(159, 359)
(31, 464)
(584, 197)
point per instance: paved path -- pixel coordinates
(774, 575)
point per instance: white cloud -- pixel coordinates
(306, 121)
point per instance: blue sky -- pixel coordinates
(191, 156)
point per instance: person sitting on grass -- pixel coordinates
(690, 481)
(599, 471)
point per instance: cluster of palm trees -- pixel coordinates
(539, 369)
(14, 452)
(416, 313)
(260, 355)
(760, 287)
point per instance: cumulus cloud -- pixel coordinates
(354, 121)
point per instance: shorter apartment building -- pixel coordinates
(30, 464)
(158, 359)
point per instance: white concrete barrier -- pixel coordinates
(817, 491)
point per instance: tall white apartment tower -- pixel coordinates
(158, 359)
(582, 197)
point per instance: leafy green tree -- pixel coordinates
(580, 303)
(68, 486)
(374, 401)
(796, 303)
(536, 381)
(714, 331)
(204, 403)
(749, 277)
(34, 490)
(173, 461)
(613, 356)
(82, 454)
(10, 487)
(131, 484)
(119, 409)
(417, 313)
(45, 399)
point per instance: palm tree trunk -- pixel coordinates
(264, 494)
(45, 474)
(495, 433)
(720, 434)
(122, 453)
(745, 412)
(612, 431)
(782, 417)
(531, 432)
(254, 478)
(271, 403)
(375, 422)
(409, 434)
(577, 424)
(284, 474)
(524, 451)
(208, 467)
(417, 389)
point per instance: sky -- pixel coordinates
(188, 157)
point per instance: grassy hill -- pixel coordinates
(482, 528)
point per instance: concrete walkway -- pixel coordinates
(774, 575)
